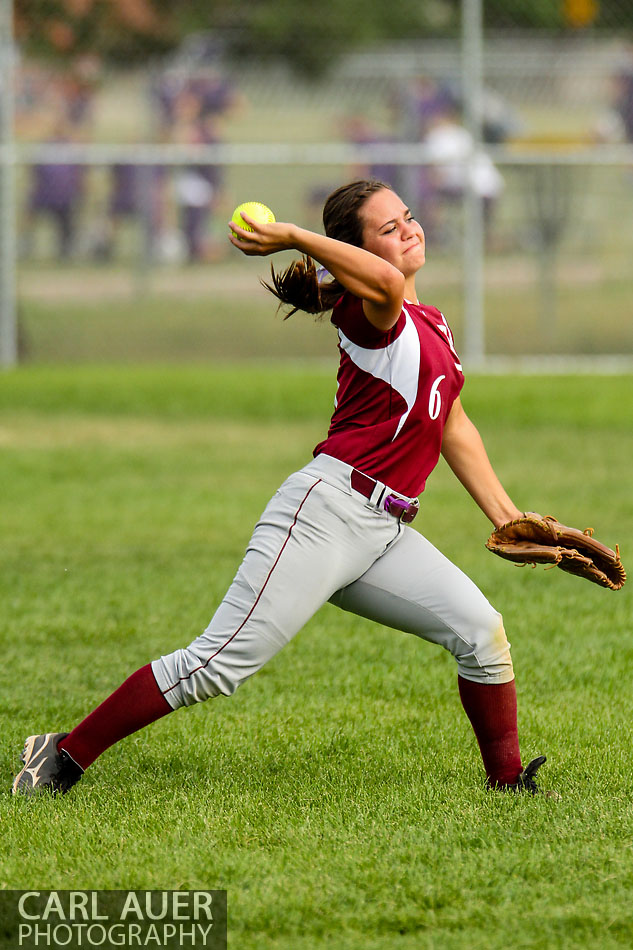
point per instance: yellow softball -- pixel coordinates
(256, 210)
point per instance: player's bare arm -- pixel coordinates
(464, 450)
(376, 281)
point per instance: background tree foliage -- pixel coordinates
(115, 29)
(307, 35)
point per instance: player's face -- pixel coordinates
(391, 231)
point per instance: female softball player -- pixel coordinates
(339, 529)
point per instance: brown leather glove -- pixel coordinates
(534, 539)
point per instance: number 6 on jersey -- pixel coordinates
(435, 398)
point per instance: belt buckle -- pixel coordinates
(401, 508)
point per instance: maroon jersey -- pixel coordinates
(395, 391)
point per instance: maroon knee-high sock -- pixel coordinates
(136, 703)
(492, 710)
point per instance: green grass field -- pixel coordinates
(338, 796)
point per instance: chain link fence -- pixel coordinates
(118, 181)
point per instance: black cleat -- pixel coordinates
(45, 767)
(526, 780)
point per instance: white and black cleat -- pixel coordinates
(46, 768)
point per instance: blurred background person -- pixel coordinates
(56, 193)
(615, 122)
(624, 93)
(359, 130)
(197, 187)
(136, 196)
(192, 100)
(61, 112)
(449, 146)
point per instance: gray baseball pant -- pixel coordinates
(318, 540)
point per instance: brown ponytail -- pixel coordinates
(299, 285)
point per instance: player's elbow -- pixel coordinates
(388, 286)
(382, 301)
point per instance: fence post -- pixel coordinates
(8, 318)
(474, 238)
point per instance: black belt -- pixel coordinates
(401, 508)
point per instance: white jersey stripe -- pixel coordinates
(397, 364)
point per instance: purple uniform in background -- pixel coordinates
(57, 191)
